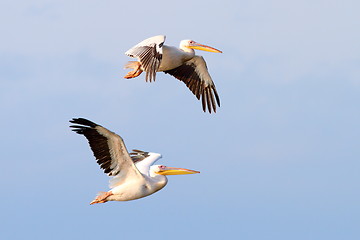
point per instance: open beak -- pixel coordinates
(176, 171)
(202, 47)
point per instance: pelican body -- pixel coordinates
(133, 175)
(174, 57)
(182, 63)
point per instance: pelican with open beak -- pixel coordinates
(182, 63)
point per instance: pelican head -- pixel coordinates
(194, 45)
(164, 170)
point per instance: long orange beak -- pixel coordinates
(176, 171)
(203, 47)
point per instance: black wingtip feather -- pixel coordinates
(216, 96)
(203, 102)
(83, 121)
(77, 129)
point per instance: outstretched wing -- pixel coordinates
(138, 155)
(149, 53)
(144, 160)
(108, 148)
(195, 75)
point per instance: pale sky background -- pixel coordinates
(279, 160)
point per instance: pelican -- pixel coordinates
(182, 63)
(133, 174)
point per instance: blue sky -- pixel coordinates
(279, 160)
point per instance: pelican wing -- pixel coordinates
(108, 148)
(149, 53)
(144, 160)
(195, 75)
(138, 155)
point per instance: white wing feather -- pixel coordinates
(144, 165)
(149, 53)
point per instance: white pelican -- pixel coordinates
(182, 63)
(133, 175)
